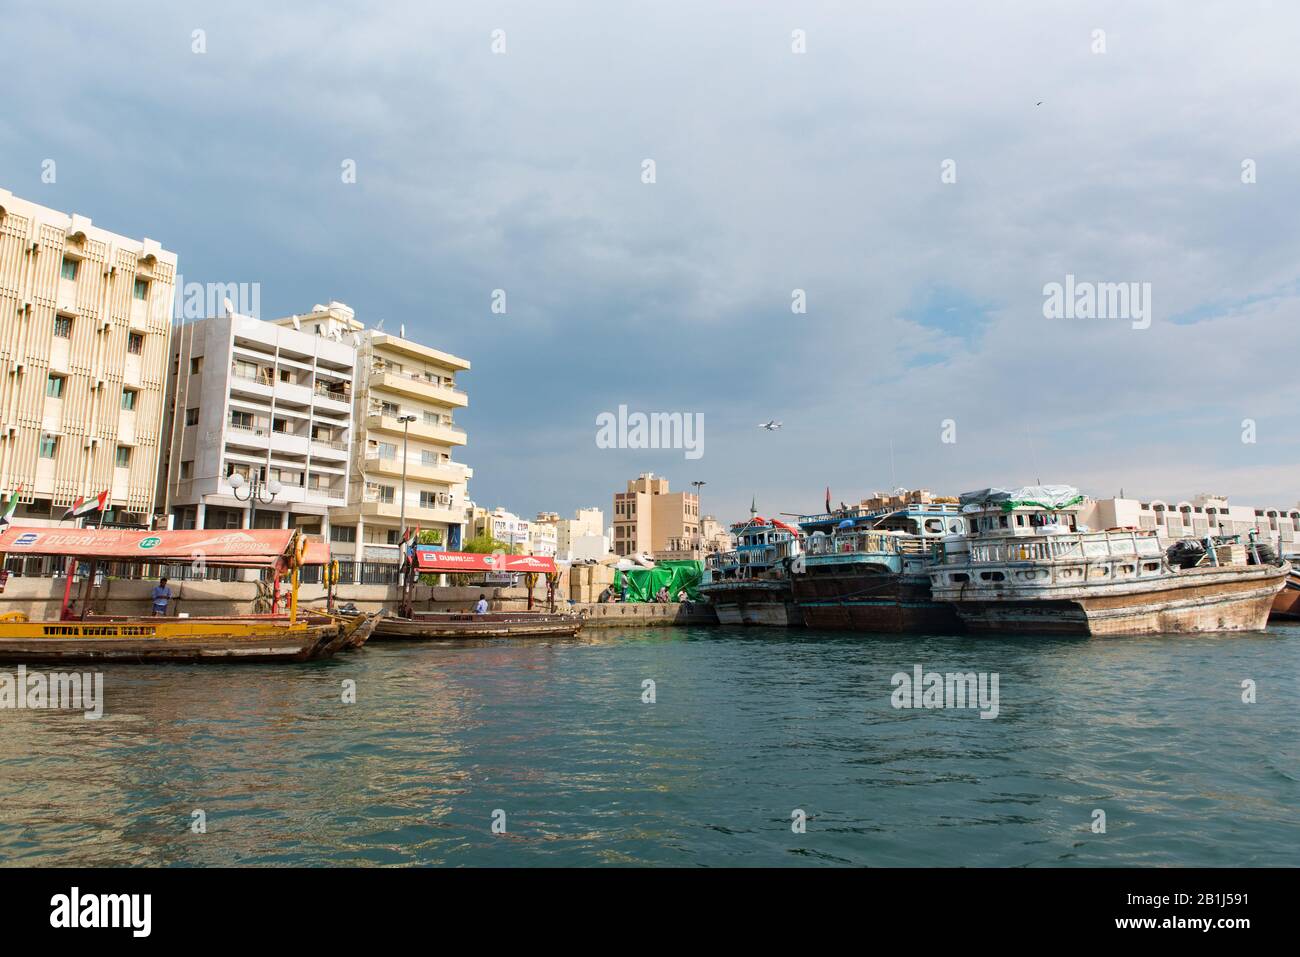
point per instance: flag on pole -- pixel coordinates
(828, 499)
(11, 506)
(84, 506)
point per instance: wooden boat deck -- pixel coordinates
(126, 639)
(435, 625)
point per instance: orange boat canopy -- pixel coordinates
(236, 546)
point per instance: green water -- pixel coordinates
(747, 727)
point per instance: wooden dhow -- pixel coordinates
(750, 584)
(1286, 606)
(870, 570)
(293, 635)
(1027, 565)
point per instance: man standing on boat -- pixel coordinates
(481, 607)
(162, 595)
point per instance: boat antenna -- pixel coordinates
(1033, 454)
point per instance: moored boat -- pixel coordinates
(869, 570)
(750, 584)
(1286, 604)
(443, 625)
(293, 636)
(1027, 565)
(420, 560)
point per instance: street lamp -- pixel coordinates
(258, 491)
(406, 421)
(699, 513)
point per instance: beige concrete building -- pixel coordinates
(406, 397)
(647, 516)
(85, 318)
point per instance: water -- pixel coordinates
(748, 726)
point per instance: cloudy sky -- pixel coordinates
(821, 171)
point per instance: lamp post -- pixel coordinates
(406, 421)
(699, 532)
(258, 491)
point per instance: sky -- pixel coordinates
(918, 173)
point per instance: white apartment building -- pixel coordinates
(85, 316)
(1202, 515)
(269, 403)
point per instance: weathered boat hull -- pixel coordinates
(181, 640)
(761, 603)
(1287, 603)
(866, 601)
(492, 625)
(1195, 600)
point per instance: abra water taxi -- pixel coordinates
(1027, 565)
(423, 560)
(293, 635)
(750, 585)
(870, 570)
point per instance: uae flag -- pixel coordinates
(11, 506)
(84, 506)
(828, 499)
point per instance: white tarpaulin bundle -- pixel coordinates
(1040, 496)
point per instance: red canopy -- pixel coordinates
(428, 560)
(244, 547)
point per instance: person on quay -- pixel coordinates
(482, 606)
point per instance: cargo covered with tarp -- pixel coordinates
(644, 583)
(1051, 497)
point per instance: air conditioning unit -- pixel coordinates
(89, 443)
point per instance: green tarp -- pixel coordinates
(644, 583)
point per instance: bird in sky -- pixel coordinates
(771, 425)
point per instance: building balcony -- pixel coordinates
(442, 434)
(332, 449)
(419, 387)
(447, 473)
(371, 507)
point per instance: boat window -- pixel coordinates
(992, 576)
(1002, 521)
(1020, 520)
(958, 578)
(934, 525)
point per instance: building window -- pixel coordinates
(391, 537)
(343, 533)
(63, 327)
(279, 425)
(123, 457)
(240, 420)
(69, 268)
(54, 386)
(128, 400)
(387, 450)
(428, 500)
(192, 416)
(196, 365)
(141, 289)
(187, 469)
(49, 445)
(135, 343)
